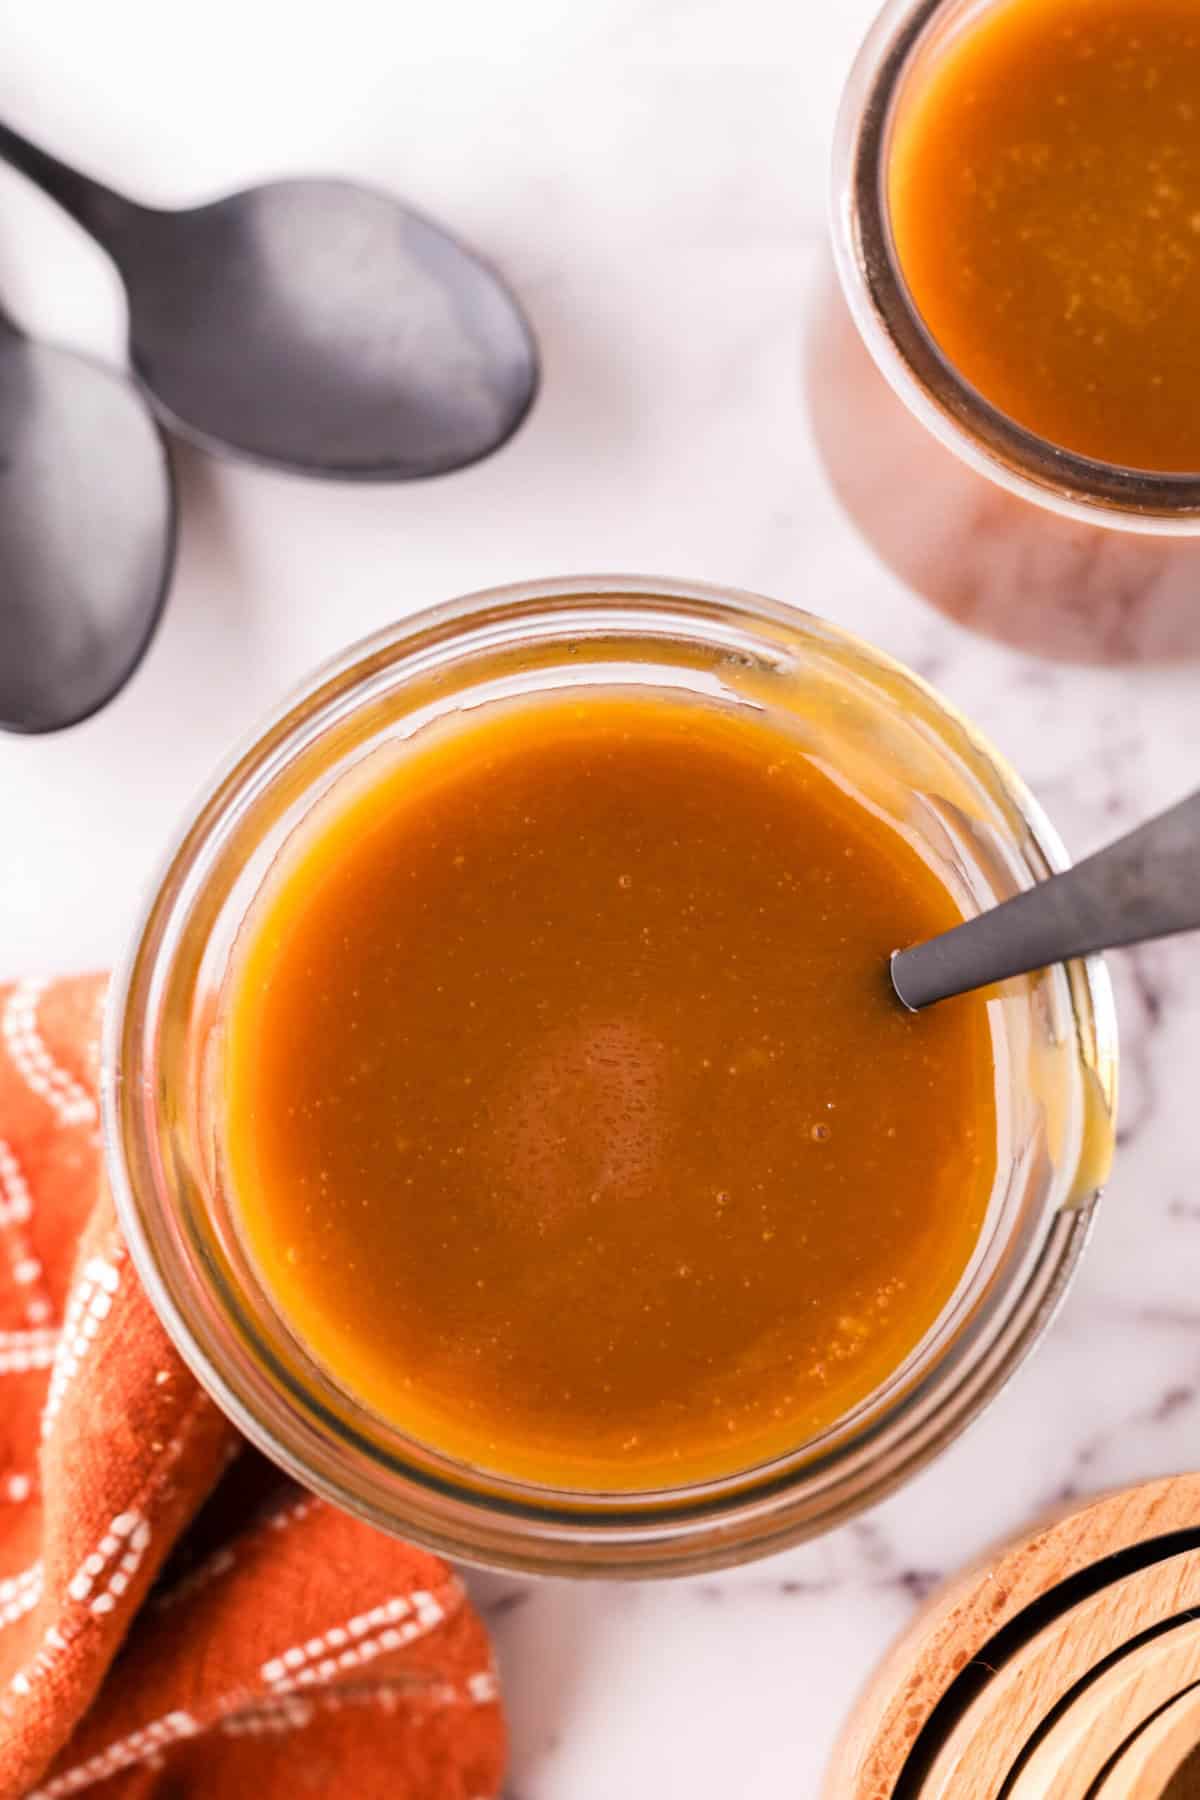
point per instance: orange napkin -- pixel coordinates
(284, 1648)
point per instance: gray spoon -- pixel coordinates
(1146, 885)
(313, 325)
(87, 531)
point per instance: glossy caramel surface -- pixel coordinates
(567, 1111)
(1044, 184)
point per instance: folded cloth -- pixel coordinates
(285, 1648)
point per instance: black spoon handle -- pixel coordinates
(89, 202)
(1146, 885)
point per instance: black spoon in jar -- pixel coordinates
(87, 533)
(1146, 885)
(315, 325)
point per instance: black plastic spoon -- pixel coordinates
(314, 325)
(1146, 885)
(87, 531)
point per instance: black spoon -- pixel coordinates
(87, 533)
(313, 325)
(1146, 885)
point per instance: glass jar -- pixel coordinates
(1007, 534)
(907, 754)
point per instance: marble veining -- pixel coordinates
(652, 177)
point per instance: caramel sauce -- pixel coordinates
(1044, 185)
(567, 1111)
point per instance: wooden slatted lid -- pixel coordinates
(1031, 1675)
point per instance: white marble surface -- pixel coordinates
(651, 174)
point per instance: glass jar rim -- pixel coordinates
(703, 1528)
(890, 323)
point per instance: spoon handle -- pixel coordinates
(100, 211)
(1146, 885)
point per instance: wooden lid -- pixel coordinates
(1034, 1673)
(1156, 1756)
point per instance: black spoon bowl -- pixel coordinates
(87, 533)
(314, 325)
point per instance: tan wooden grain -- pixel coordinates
(1110, 1710)
(978, 1754)
(1154, 1756)
(960, 1621)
